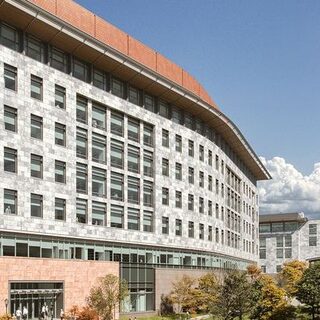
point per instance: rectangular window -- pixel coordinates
(217, 235)
(10, 160)
(81, 210)
(312, 241)
(148, 135)
(10, 77)
(117, 88)
(217, 210)
(217, 186)
(117, 123)
(312, 229)
(201, 179)
(217, 162)
(176, 116)
(34, 48)
(149, 103)
(190, 229)
(210, 233)
(165, 196)
(36, 166)
(60, 134)
(209, 157)
(178, 143)
(209, 207)
(201, 205)
(148, 164)
(279, 253)
(80, 70)
(58, 59)
(82, 110)
(165, 167)
(164, 109)
(10, 119)
(147, 221)
(288, 253)
(133, 190)
(178, 227)
(262, 253)
(60, 171)
(201, 231)
(10, 201)
(82, 143)
(36, 205)
(98, 116)
(9, 37)
(288, 241)
(82, 178)
(277, 227)
(178, 199)
(191, 175)
(188, 121)
(191, 148)
(99, 177)
(36, 127)
(133, 219)
(201, 153)
(99, 79)
(98, 148)
(147, 194)
(165, 138)
(134, 96)
(116, 186)
(133, 129)
(165, 225)
(178, 171)
(36, 87)
(116, 154)
(133, 159)
(99, 213)
(60, 97)
(190, 202)
(210, 183)
(60, 209)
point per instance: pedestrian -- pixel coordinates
(24, 313)
(43, 312)
(61, 314)
(46, 311)
(18, 314)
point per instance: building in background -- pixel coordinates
(285, 237)
(111, 153)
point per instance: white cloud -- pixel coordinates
(289, 190)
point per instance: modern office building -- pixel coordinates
(113, 159)
(285, 237)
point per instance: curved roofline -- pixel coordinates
(163, 73)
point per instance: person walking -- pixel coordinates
(61, 314)
(18, 314)
(24, 313)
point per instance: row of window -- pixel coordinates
(56, 58)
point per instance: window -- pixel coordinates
(288, 241)
(210, 183)
(117, 123)
(82, 178)
(36, 205)
(133, 190)
(188, 121)
(98, 213)
(191, 148)
(10, 119)
(209, 207)
(10, 201)
(312, 241)
(60, 171)
(133, 129)
(36, 166)
(277, 227)
(178, 143)
(210, 233)
(176, 116)
(201, 231)
(99, 177)
(201, 153)
(165, 225)
(98, 116)
(82, 143)
(82, 110)
(201, 205)
(148, 135)
(313, 229)
(178, 227)
(134, 96)
(99, 79)
(117, 87)
(262, 253)
(133, 159)
(217, 235)
(36, 87)
(116, 154)
(165, 196)
(178, 171)
(278, 268)
(58, 59)
(133, 219)
(312, 235)
(190, 229)
(264, 228)
(148, 164)
(210, 157)
(60, 209)
(9, 37)
(288, 253)
(116, 186)
(147, 221)
(201, 179)
(36, 127)
(81, 210)
(165, 138)
(164, 109)
(149, 103)
(147, 193)
(217, 210)
(10, 77)
(60, 134)
(34, 48)
(178, 199)
(190, 202)
(191, 175)
(217, 186)
(279, 253)
(60, 97)
(98, 148)
(165, 167)
(10, 160)
(80, 70)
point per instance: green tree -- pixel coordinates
(107, 295)
(308, 288)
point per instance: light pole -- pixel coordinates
(6, 304)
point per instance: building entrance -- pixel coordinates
(37, 297)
